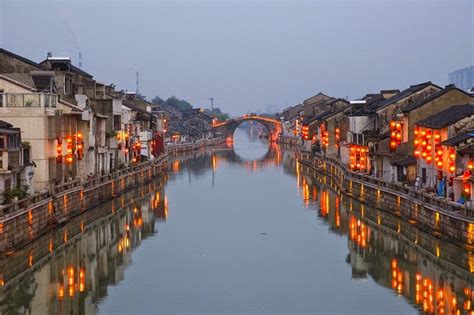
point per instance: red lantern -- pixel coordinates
(59, 150)
(79, 146)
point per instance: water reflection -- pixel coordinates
(71, 269)
(394, 253)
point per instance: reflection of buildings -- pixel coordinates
(68, 270)
(197, 164)
(433, 275)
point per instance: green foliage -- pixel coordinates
(182, 105)
(216, 112)
(20, 192)
(157, 100)
(173, 101)
(178, 104)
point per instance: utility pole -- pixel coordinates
(80, 59)
(137, 83)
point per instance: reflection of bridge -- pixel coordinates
(228, 127)
(228, 154)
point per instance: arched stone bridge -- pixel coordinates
(228, 127)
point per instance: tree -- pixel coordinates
(178, 104)
(157, 100)
(216, 112)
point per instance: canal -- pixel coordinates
(237, 230)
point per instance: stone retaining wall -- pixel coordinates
(22, 226)
(452, 223)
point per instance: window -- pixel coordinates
(13, 141)
(26, 155)
(1, 98)
(8, 184)
(67, 86)
(423, 175)
(2, 143)
(117, 122)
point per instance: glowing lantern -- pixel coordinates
(395, 134)
(79, 146)
(59, 150)
(467, 188)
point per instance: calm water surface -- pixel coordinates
(238, 231)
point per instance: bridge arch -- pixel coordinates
(228, 127)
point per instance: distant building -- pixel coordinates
(463, 78)
(16, 169)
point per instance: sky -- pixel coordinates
(247, 54)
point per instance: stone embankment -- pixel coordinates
(187, 147)
(439, 216)
(26, 220)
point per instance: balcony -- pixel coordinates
(16, 100)
(145, 135)
(13, 160)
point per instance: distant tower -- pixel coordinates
(80, 60)
(212, 104)
(138, 83)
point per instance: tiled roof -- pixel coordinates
(75, 69)
(136, 108)
(25, 60)
(459, 138)
(431, 97)
(4, 124)
(467, 150)
(447, 117)
(403, 160)
(403, 94)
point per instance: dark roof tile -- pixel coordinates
(459, 138)
(429, 98)
(405, 93)
(447, 117)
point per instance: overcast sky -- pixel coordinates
(247, 54)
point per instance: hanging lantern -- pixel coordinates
(79, 146)
(470, 165)
(59, 150)
(395, 134)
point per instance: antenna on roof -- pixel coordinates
(137, 89)
(80, 59)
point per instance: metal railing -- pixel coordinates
(411, 193)
(28, 100)
(16, 207)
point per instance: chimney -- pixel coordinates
(49, 54)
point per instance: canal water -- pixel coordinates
(242, 229)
